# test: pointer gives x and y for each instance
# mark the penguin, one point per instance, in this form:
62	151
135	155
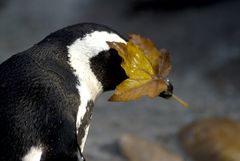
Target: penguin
47	93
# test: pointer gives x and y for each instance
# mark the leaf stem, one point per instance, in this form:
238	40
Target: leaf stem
183	103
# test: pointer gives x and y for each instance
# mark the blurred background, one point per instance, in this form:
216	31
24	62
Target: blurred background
202	36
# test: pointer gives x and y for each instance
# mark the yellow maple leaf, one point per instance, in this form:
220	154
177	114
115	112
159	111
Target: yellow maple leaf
141	64
146	68
133	89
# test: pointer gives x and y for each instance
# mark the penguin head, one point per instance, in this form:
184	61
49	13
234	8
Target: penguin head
91	53
107	68
95	64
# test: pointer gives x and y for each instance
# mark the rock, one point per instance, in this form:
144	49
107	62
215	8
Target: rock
213	139
137	149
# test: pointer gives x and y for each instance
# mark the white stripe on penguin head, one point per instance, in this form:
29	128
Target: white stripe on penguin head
80	53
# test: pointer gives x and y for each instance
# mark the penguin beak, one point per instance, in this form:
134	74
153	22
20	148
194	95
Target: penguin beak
167	94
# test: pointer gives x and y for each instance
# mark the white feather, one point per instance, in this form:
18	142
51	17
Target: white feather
80	53
84	138
34	154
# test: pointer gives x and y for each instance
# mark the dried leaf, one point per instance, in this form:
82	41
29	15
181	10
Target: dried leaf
146	67
134	62
128	92
164	66
160	59
150	50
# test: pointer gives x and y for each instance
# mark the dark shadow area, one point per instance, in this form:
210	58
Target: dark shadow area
170	5
3	3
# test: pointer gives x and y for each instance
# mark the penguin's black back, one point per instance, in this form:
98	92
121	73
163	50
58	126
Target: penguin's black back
39	99
68	35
